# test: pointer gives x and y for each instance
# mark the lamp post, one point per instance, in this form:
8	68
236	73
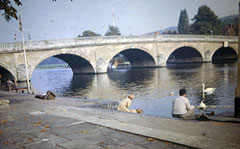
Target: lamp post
24	53
237	92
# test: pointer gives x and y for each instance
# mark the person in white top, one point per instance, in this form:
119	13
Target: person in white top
125	104
182	108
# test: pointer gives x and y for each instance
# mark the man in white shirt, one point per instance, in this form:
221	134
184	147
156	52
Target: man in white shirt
182	108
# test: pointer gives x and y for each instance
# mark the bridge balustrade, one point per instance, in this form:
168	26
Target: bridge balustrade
103	40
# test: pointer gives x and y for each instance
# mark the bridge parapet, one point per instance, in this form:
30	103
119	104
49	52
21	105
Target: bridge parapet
106	40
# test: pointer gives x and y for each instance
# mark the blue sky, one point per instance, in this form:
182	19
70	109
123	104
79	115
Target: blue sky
45	19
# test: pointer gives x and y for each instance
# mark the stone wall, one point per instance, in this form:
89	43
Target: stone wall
92	55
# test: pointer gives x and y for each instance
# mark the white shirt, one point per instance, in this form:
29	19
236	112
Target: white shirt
181	105
125	105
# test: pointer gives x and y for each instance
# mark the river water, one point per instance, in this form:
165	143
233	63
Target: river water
151	86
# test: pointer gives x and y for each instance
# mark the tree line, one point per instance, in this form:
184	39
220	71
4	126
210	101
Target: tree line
205	22
112	31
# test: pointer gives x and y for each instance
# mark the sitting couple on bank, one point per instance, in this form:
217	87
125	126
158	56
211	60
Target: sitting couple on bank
181	108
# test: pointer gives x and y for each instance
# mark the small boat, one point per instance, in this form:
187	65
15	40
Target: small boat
114	66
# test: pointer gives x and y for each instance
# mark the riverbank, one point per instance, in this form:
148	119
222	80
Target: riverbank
74	123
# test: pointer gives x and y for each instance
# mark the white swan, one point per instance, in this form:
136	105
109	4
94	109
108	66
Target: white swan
202	105
207	90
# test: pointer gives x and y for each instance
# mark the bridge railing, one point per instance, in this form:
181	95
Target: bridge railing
103	40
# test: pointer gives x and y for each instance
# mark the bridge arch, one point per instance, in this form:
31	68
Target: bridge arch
136	55
6	72
78	64
224	54
185	54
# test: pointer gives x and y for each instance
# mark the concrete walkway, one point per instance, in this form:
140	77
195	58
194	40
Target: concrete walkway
70	113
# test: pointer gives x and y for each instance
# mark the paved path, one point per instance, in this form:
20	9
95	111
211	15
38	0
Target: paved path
106	128
192	133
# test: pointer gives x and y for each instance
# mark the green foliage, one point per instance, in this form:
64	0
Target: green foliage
170	32
113	31
183	23
88	33
229	20
206	22
9	11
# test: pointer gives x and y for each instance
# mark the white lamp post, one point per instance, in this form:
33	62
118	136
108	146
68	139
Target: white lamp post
24	53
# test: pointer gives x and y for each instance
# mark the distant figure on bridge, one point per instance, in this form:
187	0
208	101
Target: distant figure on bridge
125	104
182	108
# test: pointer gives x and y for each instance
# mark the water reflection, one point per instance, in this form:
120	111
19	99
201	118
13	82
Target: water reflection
185	66
131	79
57	80
151	86
80	85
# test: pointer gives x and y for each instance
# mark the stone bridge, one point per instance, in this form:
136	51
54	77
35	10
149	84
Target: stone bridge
93	54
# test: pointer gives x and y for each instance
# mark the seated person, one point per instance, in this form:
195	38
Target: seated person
181	107
125	104
10	84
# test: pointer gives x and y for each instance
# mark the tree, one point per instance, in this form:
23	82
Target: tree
9	11
170	32
183	23
206	22
229	23
174	32
113	30
88	33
